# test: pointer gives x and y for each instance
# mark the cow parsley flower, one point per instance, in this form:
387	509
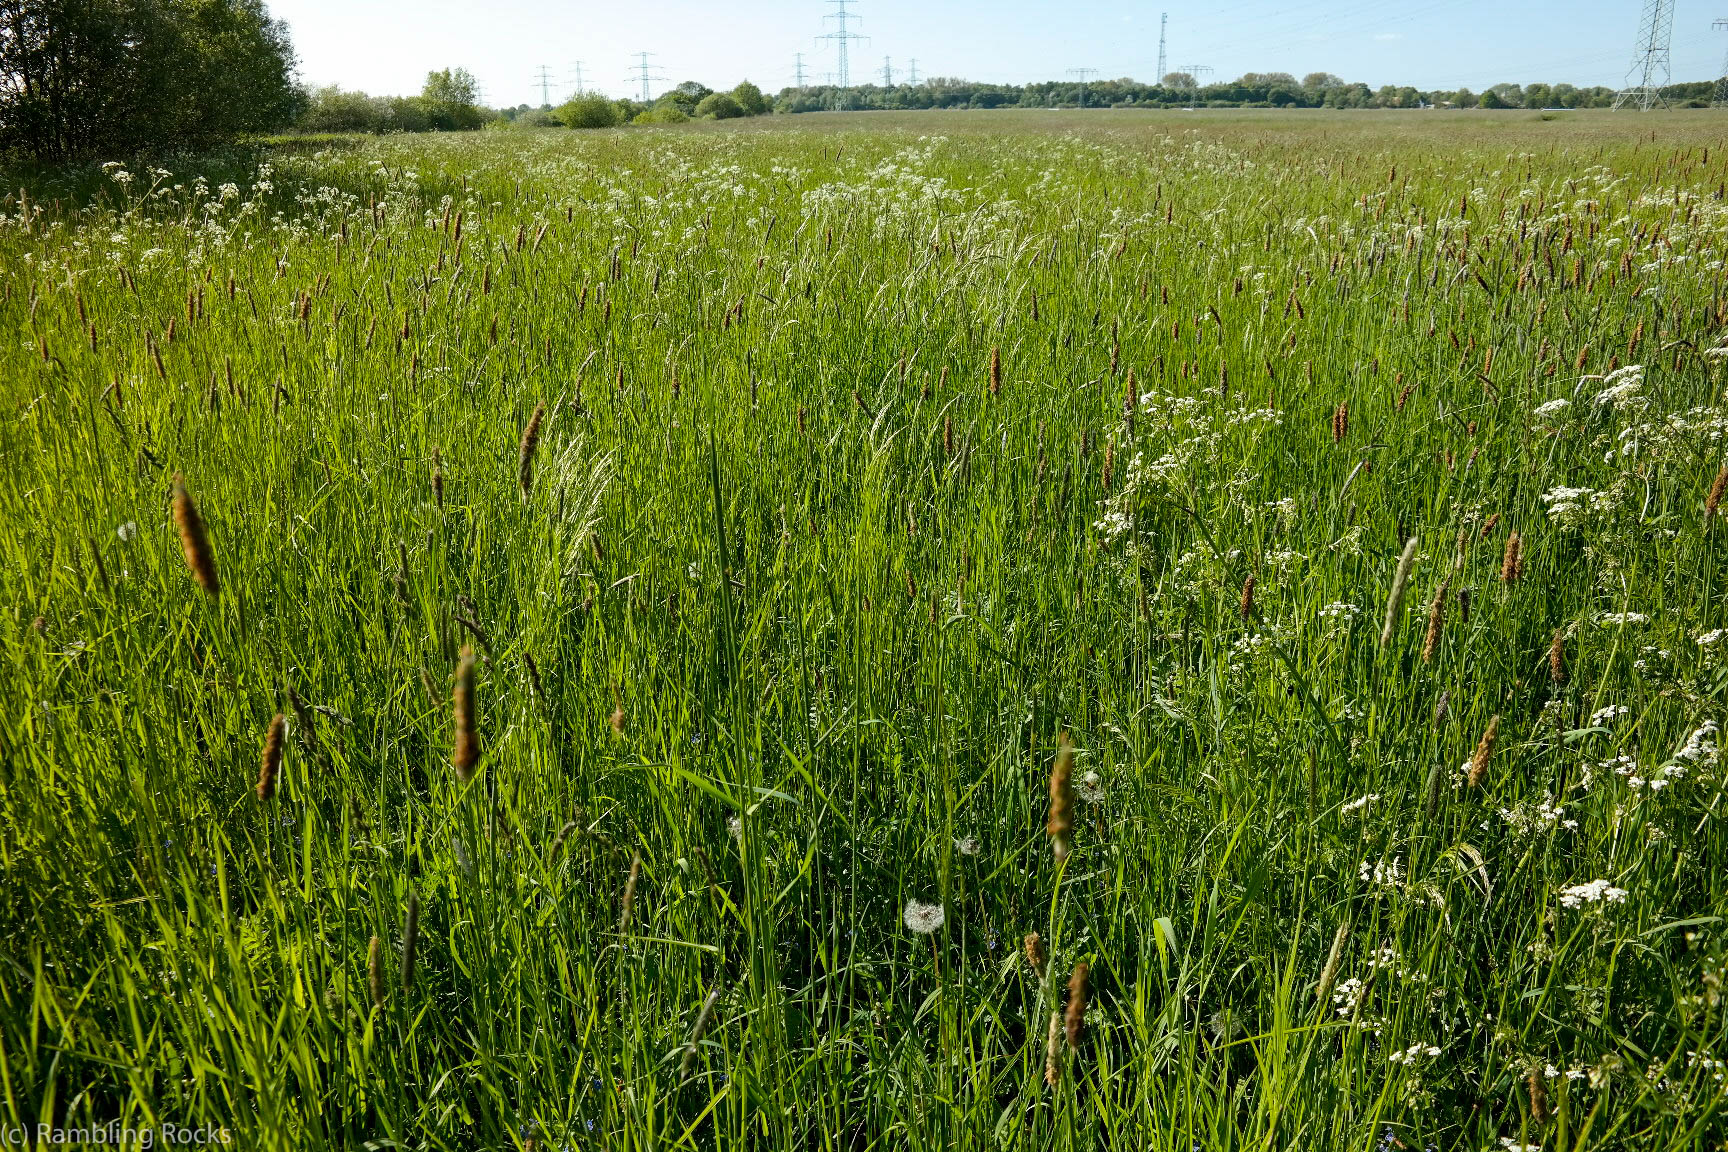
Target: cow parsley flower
1593	892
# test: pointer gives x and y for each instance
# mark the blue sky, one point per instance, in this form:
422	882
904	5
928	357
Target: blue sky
386	46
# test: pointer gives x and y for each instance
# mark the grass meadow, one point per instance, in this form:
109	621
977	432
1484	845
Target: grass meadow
1010	631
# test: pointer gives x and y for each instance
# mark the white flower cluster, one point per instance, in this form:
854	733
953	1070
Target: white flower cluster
1700	747
1553	407
1622	618
1384	872
1413	1053
1603	717
1526	817
1571	507
1359	803
1593	892
1623	386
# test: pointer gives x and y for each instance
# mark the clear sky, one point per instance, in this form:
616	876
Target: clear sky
387	46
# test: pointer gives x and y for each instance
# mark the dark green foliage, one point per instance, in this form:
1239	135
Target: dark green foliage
112	77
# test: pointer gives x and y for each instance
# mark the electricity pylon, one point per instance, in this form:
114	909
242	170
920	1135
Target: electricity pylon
798	69
545	80
1719	98
842	37
912	72
1649	72
1084	75
887	72
643	77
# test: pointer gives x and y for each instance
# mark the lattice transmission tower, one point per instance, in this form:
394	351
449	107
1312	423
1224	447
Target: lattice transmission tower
1719	97
643	76
1163	25
1083	74
1650	71
842	38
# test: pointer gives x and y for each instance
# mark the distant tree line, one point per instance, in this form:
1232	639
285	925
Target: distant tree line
450	102
1180	90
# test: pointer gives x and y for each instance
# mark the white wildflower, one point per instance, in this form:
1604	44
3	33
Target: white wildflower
1603	717
1593	892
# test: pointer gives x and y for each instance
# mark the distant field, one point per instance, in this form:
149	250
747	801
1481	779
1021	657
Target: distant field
981	630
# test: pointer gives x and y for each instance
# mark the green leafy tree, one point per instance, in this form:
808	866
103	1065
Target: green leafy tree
719	106
84	77
750	99
1491	99
588	110
452	100
333	109
687	96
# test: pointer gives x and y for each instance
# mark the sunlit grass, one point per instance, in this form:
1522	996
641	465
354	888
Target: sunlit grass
778	619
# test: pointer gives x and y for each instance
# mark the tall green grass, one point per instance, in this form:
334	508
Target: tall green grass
787	626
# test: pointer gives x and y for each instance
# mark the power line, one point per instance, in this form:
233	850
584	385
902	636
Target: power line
1163	23
887	72
642	75
1649	71
1084	74
841	37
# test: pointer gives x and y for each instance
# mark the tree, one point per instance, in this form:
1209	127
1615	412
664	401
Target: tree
452	100
750	99
85	77
1491	99
333	110
686	96
1181	81
1321	81
719	106
588	110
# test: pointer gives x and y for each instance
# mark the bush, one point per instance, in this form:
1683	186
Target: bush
589	110
750	99
719	106
665	112
334	110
